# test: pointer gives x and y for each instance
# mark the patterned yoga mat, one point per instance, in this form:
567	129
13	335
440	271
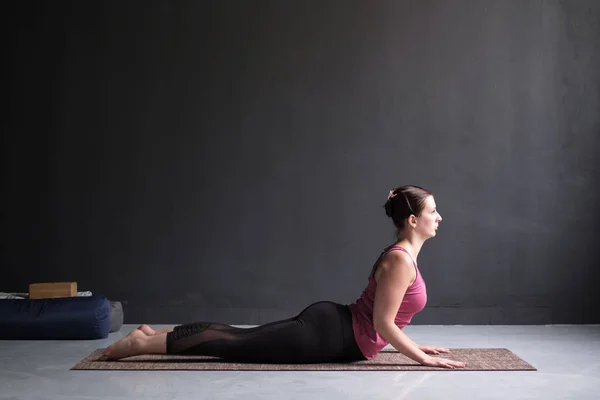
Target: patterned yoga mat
487	359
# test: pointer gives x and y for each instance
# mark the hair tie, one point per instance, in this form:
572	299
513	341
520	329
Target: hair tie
391	194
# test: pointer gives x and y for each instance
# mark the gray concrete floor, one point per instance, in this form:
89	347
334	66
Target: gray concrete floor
567	359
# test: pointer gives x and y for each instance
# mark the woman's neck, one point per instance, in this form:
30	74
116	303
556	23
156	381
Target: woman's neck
412	245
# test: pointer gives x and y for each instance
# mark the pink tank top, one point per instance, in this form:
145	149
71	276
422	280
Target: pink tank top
367	338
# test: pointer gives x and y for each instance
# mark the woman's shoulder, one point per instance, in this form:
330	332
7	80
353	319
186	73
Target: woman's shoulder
397	258
396	261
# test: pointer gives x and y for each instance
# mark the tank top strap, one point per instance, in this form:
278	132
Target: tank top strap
388	249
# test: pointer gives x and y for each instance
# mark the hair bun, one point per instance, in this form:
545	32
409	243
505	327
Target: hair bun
388	208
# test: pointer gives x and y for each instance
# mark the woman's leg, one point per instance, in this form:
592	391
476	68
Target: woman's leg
322	332
315	335
148	331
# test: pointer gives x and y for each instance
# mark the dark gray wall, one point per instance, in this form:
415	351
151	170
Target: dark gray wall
229	160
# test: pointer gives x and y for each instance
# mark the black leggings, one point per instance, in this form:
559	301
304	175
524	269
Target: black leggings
322	332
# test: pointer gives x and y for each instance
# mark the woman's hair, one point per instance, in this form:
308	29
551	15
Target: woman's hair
405	201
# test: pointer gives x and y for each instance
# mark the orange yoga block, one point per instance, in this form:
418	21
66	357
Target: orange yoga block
52	290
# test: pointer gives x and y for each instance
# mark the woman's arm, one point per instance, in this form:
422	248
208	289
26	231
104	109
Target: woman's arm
395	275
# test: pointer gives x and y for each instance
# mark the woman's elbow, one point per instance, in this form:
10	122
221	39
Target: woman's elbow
382	325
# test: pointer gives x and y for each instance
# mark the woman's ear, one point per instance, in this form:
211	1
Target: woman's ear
412	220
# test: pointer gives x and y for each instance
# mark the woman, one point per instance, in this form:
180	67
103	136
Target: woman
326	331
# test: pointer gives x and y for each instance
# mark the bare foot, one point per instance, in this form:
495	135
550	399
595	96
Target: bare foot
131	345
147	330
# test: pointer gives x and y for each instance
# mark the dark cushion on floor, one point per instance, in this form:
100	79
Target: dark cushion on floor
68	318
116	316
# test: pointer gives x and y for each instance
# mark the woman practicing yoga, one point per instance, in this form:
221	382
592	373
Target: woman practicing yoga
326	331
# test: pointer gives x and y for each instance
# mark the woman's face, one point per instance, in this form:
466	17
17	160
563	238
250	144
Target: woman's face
427	223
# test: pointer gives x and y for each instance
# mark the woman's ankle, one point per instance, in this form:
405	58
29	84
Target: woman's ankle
156	344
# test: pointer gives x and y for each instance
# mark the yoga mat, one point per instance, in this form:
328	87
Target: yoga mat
490	359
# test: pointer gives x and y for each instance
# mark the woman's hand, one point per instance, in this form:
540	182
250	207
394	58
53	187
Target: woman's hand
433	350
443	363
